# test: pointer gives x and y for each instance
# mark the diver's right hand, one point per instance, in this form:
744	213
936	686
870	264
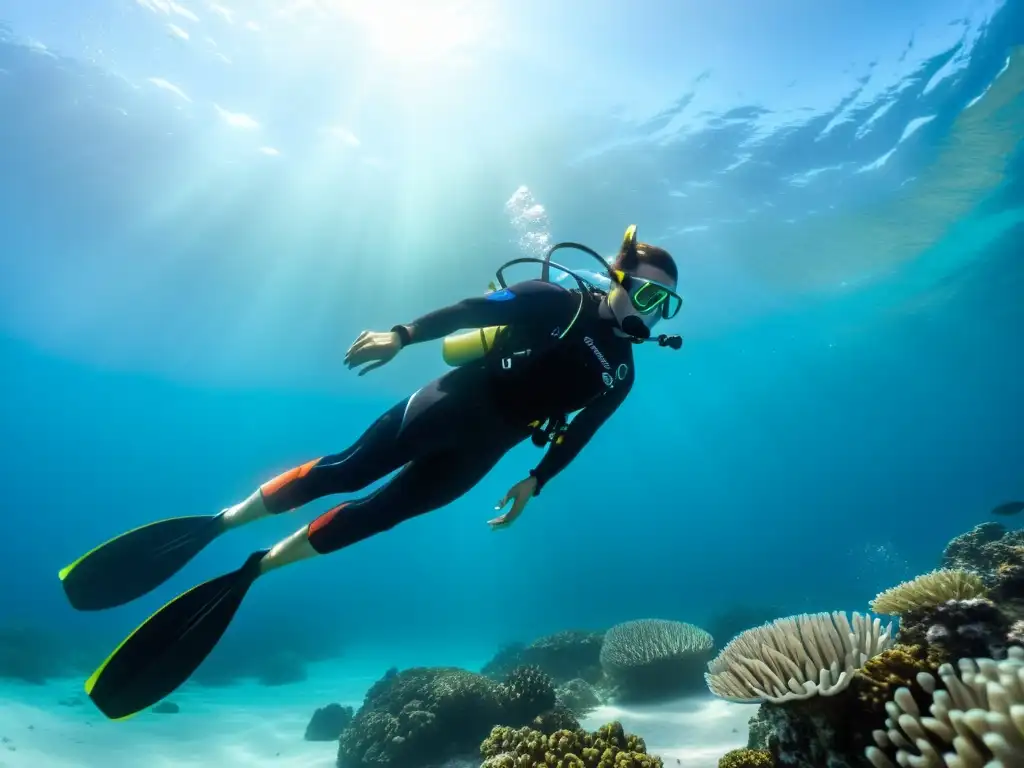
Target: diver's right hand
372	347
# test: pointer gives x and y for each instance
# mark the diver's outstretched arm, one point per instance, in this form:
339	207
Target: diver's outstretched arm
532	301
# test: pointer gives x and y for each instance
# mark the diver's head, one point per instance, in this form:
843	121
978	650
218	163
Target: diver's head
644	289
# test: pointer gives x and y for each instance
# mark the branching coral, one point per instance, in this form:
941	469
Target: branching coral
607	747
976	717
796	657
928	591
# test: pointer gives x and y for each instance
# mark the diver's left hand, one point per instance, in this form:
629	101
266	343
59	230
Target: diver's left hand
372	350
520	495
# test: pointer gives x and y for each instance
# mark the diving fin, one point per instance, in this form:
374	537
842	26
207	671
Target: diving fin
134	563
164	651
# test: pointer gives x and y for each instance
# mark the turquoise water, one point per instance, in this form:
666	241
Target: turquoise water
202	205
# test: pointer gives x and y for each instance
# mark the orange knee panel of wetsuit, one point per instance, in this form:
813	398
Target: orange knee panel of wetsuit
271	487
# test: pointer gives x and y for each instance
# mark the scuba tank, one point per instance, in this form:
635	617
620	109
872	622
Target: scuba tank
461	348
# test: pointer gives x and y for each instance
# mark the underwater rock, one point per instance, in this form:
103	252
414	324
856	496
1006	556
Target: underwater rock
650	659
984	549
760	730
607	747
563	656
817	732
328	722
166	708
426	715
958	629
578	696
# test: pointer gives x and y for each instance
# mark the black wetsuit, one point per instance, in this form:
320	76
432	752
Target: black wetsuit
559	356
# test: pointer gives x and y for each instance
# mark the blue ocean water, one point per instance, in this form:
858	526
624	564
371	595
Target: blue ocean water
202	205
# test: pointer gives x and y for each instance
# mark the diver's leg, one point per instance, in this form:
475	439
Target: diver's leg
167	648
438	415
426	484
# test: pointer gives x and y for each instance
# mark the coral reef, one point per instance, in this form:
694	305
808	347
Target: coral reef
558	718
747	758
974	718
504	661
607	747
651	658
928	591
328	722
949	693
578	696
893	668
796	657
527	691
984	549
958	629
564	656
425	715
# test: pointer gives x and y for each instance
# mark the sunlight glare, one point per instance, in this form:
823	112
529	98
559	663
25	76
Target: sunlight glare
407	32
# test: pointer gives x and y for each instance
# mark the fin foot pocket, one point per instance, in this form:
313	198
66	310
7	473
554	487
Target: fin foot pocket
137	562
164	651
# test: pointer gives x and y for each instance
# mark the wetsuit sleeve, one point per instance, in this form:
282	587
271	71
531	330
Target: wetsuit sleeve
532	301
583	427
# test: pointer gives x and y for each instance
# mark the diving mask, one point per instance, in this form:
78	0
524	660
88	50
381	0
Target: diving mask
648	296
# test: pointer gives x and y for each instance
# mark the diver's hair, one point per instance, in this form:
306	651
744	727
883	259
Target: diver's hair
647	254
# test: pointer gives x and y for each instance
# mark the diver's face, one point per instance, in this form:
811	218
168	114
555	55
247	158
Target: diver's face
620	303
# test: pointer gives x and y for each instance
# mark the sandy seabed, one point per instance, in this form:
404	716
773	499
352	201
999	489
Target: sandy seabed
251	726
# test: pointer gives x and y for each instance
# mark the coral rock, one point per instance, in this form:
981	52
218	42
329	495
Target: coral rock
958	629
818	732
527	691
983	549
563	656
419	717
328	722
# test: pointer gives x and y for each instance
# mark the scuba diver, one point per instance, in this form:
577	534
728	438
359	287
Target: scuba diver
537	352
